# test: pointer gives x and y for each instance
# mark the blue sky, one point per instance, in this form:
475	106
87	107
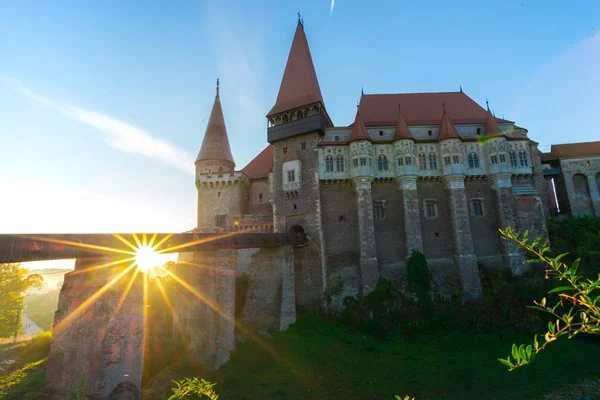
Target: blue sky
103	105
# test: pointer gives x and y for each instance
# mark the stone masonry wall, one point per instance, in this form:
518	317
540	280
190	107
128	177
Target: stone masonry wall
390	235
97	342
484	229
438	241
580	202
304	211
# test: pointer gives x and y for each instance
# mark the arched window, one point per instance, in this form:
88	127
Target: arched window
220	172
473	160
432	161
339	163
513	159
523	159
422	161
329	164
382	163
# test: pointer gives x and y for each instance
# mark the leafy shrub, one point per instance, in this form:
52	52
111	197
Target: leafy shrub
419	281
193	388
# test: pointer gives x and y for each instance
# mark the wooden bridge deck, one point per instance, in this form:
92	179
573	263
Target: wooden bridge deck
38	247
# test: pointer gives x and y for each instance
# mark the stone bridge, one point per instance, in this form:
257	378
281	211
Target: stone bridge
98	341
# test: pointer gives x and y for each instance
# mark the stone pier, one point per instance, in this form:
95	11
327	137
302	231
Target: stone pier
412	220
463	241
97	345
369	269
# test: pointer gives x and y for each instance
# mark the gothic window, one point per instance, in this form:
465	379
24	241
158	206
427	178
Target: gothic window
400	161
220	221
303	145
478	131
422	161
513	159
363	161
336	138
284	150
447	160
220	172
355	162
431	209
339	163
494	159
378	210
455	159
477	205
432	161
291	176
502	158
522	159
329	164
408	160
382	163
473	160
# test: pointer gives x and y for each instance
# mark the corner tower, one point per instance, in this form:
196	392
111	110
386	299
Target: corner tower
221	191
297	121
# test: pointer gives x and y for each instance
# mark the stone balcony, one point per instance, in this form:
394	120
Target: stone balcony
453	169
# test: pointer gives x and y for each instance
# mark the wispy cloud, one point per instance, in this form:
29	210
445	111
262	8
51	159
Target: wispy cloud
331	7
116	133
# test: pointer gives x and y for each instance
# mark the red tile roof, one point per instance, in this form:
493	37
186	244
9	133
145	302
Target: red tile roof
402	131
299	85
583	149
359	132
215	145
491	125
420	108
447	129
261	165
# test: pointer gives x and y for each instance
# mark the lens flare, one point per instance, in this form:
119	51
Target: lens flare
147	259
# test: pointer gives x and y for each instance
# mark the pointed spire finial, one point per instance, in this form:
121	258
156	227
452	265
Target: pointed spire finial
444	106
300	20
217	88
362	90
487	104
460	86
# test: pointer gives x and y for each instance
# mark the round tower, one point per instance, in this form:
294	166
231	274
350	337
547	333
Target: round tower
222	192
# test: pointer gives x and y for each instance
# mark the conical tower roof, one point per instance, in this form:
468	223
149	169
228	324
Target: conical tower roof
447	129
491	125
299	85
215	145
402	131
359	131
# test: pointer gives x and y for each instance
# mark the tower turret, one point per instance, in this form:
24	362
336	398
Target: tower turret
215	152
222	192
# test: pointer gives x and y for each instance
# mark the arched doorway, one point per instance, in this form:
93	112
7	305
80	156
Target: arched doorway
298	232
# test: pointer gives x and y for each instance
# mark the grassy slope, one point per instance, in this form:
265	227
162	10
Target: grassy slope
25	379
318	359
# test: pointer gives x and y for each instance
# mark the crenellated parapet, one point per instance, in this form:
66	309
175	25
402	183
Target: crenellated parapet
222	180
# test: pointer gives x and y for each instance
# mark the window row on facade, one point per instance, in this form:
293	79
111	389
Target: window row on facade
426	162
430	208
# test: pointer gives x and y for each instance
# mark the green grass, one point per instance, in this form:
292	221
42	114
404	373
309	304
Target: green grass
24	379
318	359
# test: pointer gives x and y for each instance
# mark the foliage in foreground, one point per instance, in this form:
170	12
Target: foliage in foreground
577	308
14	282
193	388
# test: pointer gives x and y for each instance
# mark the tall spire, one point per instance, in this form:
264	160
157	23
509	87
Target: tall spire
215	145
402	131
299	85
447	129
359	131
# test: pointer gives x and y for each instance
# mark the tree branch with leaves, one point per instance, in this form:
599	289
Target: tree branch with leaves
576	306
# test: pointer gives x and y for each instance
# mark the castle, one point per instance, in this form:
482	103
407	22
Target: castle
434	172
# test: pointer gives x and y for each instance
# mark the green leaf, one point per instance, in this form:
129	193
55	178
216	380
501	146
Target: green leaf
529	351
506	362
522	353
561	289
551	328
515	352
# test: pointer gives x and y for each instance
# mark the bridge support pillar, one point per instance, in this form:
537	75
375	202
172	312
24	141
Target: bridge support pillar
207	313
97	345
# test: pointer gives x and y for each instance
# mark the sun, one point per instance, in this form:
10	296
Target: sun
147	258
